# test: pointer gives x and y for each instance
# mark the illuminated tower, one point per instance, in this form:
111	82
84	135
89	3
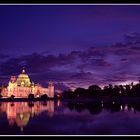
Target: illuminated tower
33	88
51	90
12	86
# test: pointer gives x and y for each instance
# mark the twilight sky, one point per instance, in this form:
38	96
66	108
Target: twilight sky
73	45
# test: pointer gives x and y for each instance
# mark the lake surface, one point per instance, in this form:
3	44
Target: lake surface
70	118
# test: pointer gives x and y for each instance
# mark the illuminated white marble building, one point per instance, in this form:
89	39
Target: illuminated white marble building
21	87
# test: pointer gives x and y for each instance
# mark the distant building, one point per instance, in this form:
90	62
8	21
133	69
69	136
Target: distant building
21	87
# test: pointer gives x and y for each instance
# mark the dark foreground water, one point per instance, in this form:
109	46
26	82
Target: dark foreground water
70	118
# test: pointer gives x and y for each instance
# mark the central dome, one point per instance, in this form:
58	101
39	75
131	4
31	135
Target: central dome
23	79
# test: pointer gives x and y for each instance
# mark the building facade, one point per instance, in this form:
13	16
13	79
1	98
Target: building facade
21	87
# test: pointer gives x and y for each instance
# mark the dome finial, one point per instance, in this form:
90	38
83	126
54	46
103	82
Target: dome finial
23	70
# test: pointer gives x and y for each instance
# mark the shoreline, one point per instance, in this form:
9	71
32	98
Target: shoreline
104	99
24	99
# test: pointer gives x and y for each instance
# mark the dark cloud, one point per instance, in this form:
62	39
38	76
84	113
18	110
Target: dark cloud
123	60
95	65
132	38
3	56
82	75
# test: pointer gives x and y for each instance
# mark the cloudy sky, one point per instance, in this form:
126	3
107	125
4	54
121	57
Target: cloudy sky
73	45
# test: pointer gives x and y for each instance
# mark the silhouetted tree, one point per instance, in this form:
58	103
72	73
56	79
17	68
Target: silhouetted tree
94	90
80	92
0	96
115	91
136	89
44	96
68	94
127	90
12	96
31	96
122	90
108	91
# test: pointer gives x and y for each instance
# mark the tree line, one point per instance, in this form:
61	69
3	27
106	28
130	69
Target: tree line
107	91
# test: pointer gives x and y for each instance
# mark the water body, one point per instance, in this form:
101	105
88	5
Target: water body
70	118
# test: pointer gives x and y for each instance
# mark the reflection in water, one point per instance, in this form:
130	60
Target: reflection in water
126	107
97	117
97	107
20	112
121	108
59	103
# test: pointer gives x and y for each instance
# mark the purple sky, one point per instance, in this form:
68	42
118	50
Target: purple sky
73	45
